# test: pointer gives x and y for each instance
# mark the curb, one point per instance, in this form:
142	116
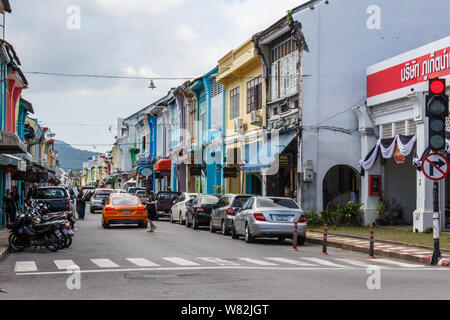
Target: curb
387	241
3	253
365	249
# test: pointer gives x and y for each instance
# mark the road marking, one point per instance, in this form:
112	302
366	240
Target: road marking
66	264
181	261
401	264
355	262
25	266
258	262
141	262
289	261
324	262
105	263
219	261
302	269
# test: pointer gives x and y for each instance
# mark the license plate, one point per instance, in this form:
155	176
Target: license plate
126	212
282	218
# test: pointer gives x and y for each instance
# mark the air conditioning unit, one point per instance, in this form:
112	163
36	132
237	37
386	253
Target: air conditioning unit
238	125
255	118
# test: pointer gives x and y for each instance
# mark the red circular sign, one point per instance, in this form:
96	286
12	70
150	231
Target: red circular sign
435	166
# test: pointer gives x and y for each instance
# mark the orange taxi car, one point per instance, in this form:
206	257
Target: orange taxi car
124	209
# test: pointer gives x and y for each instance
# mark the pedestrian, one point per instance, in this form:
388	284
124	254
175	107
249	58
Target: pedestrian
15	194
31	192
9	206
81	204
151	210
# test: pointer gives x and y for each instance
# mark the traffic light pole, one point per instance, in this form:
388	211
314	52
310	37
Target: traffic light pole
436	226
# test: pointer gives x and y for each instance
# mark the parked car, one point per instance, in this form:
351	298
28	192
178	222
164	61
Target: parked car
198	212
269	217
141	194
132	190
164	202
56	199
222	216
178	212
124	209
99	198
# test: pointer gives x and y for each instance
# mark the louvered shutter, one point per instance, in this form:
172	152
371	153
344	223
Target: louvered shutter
275	81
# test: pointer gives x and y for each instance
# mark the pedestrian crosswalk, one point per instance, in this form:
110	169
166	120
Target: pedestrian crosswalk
24	267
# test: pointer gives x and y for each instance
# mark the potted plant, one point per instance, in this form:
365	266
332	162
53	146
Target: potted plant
382	212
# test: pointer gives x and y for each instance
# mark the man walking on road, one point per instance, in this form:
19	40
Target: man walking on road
81	204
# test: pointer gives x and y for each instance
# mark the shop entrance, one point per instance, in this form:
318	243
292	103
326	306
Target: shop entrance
253	185
340	185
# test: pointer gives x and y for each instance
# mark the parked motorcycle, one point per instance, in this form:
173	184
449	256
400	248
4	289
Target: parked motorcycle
27	233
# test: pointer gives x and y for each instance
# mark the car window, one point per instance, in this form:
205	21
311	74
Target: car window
167	196
209	200
51	193
124	202
238	202
248	204
277	203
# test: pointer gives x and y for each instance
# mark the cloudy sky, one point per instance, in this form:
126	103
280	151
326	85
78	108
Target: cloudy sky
149	38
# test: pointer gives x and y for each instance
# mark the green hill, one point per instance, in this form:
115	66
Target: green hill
70	157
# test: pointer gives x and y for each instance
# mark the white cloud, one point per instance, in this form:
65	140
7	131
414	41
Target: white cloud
121	7
185	33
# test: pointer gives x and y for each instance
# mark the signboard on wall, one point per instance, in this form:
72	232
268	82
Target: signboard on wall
408	72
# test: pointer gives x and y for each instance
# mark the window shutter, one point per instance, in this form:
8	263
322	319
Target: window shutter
274	81
259	96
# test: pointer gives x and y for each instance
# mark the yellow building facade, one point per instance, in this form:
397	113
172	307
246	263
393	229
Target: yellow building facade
241	74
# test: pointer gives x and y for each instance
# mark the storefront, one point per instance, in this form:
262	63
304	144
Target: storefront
162	170
394	136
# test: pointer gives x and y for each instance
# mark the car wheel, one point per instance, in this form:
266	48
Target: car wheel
301	241
234	235
248	236
211	226
105	225
225	231
195	223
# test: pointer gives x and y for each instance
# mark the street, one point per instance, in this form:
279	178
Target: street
180	263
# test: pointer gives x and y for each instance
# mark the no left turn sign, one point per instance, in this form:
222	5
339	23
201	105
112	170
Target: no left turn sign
435	166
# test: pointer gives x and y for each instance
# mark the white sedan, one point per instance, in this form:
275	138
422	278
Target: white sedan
178	212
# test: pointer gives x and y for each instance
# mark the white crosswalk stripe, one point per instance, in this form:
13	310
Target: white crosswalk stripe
25	266
258	262
105	263
141	262
181	261
398	263
355	262
220	262
324	262
290	261
66	264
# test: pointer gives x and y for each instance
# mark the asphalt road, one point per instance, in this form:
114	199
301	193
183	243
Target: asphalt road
180	263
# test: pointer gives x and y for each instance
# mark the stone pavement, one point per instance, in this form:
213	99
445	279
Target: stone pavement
4	245
390	249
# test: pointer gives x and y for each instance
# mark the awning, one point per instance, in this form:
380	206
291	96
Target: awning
263	154
9	160
163	165
10	143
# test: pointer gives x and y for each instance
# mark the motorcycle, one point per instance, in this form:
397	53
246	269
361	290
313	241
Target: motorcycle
27	233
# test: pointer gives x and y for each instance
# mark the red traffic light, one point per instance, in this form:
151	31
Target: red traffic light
437	86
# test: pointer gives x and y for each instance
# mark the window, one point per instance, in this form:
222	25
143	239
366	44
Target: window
254	94
284	108
277	203
284	78
234	103
125	202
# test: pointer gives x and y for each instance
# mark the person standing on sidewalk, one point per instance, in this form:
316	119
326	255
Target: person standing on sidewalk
81	204
9	207
151	210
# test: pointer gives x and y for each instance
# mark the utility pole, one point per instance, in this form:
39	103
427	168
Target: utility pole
436	225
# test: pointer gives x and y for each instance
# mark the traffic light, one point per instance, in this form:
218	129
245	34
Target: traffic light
437	104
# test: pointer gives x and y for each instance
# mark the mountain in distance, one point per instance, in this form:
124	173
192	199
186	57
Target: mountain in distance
70	157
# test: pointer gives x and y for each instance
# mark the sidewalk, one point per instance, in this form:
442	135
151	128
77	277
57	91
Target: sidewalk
389	249
4	245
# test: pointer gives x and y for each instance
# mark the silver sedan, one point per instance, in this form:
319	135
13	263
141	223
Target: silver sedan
269	217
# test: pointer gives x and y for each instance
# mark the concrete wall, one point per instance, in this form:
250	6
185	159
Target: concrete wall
344	38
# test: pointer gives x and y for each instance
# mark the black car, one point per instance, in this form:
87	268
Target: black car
222	217
56	199
198	210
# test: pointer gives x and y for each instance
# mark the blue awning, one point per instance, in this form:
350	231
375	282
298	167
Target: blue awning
262	154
